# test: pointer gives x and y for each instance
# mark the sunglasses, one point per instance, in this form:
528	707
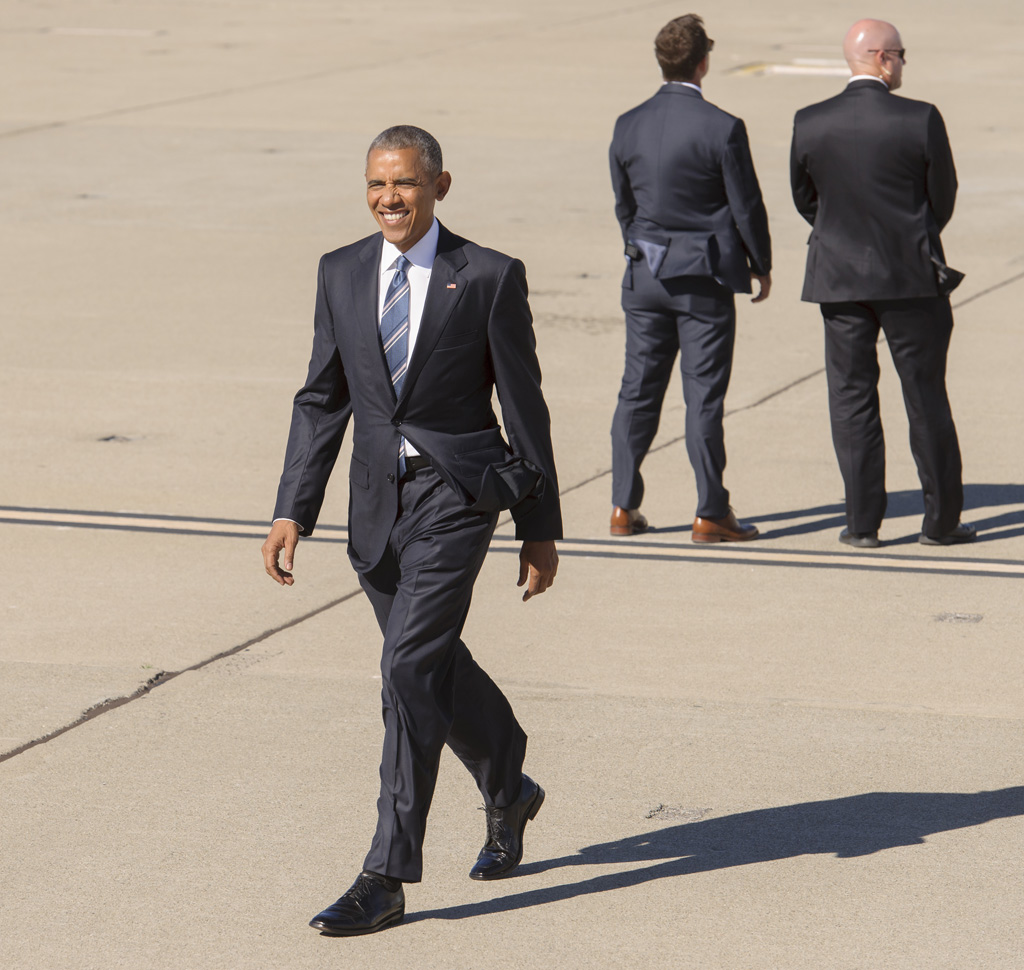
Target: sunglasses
902	52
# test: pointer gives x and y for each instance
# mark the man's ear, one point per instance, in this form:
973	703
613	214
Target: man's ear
444	183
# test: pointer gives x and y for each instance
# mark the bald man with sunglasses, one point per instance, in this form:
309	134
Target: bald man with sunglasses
873	174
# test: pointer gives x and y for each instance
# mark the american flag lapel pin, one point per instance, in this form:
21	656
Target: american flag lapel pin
451	286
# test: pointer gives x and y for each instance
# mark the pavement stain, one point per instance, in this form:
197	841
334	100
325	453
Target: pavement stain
676	813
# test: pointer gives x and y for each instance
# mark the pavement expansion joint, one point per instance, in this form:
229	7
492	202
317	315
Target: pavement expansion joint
166	676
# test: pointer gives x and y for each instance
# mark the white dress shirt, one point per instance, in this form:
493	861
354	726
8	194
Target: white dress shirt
868	77
686	84
421	261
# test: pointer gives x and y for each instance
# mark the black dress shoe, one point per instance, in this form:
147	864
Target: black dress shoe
862	540
962	533
368	906
503	850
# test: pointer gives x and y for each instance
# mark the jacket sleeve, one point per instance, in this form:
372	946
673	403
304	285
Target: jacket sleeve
625	202
513	351
941	173
745	201
320	415
805	195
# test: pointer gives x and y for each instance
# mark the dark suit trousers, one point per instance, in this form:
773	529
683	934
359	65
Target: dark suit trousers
918	333
433	690
694	317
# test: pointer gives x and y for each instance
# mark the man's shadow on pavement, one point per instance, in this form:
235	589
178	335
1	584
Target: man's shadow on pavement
848	827
909	502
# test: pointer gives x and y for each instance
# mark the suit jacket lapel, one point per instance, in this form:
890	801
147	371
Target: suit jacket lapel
447	284
364	287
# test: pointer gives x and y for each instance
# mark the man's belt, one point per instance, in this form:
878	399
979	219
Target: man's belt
415	463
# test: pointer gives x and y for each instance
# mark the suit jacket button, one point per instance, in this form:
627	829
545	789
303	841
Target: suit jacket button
396	422
391	477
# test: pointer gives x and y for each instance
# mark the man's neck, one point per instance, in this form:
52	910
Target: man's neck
688	84
420	253
868	77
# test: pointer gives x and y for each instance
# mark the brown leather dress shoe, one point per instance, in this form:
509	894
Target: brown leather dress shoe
728	529
626	522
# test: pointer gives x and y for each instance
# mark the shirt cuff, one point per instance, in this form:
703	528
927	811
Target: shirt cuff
283	519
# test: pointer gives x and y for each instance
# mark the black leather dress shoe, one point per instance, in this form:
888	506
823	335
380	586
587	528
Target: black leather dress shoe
862	540
962	533
503	850
367	907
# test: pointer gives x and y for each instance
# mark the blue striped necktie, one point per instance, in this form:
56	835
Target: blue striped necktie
394	325
394	335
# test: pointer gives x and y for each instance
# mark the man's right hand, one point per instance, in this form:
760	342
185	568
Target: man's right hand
284	534
765	283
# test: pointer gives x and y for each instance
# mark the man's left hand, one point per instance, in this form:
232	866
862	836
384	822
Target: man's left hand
538	563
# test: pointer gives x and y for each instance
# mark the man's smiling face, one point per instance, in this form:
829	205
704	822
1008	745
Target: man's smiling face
401	194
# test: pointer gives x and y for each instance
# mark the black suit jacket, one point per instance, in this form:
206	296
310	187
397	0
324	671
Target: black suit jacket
683	177
476	333
874	175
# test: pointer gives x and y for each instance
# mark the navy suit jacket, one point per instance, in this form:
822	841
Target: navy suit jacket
684	178
476	333
873	174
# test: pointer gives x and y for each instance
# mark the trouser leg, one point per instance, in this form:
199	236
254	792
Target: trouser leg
851	367
651	347
707	333
433	691
484	733
918	334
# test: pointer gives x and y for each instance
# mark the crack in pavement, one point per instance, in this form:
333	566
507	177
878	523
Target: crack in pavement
165	677
472	42
782	390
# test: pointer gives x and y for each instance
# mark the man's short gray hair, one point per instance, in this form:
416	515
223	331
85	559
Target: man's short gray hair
398	137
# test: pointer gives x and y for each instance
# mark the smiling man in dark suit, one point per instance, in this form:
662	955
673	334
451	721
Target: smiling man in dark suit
414	328
873	174
696	231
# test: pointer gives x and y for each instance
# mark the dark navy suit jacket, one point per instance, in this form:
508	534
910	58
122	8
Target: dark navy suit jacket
476	333
684	178
873	174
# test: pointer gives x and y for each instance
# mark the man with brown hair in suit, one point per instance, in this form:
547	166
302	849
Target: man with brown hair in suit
695	232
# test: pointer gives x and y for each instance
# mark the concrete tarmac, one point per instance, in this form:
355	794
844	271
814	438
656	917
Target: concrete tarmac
788	754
